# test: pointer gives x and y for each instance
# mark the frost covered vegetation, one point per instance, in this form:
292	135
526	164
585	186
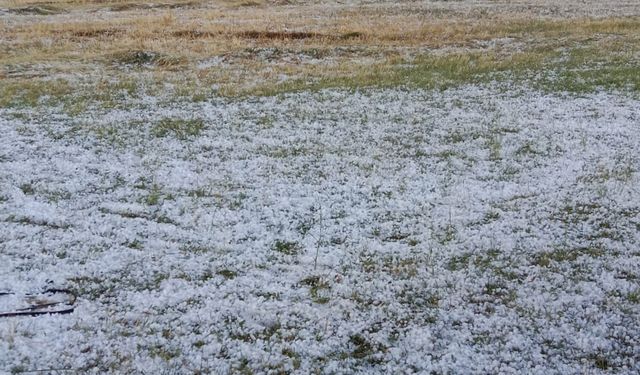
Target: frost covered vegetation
250	187
465	230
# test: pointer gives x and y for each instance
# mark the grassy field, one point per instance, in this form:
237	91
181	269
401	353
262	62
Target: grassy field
275	187
82	52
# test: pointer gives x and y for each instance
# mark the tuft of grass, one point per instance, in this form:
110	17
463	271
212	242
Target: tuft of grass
27	189
295	357
490	216
141	58
601	362
459	262
153	198
634	297
352	35
446	235
164	353
286	247
180	128
38	10
199	193
363	348
494	144
319	288
266	121
623	171
546	259
227	274
199	344
135	244
195	249
527	149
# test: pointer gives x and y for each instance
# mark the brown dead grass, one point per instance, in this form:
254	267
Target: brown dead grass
216	32
263	41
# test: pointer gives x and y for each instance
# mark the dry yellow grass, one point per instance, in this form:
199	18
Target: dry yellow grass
237	45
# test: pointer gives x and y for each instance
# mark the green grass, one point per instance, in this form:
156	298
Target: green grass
575	69
227	274
74	97
547	258
579	70
153	198
634	296
31	93
319	289
180	128
286	247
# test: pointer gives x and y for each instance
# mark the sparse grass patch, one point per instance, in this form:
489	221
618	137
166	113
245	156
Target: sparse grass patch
153	198
491	216
286	247
446	234
164	353
177	127
227	274
623	172
266	121
199	193
295	357
527	149
576	213
363	347
195	249
55	196
494	145
142	58
623	76
548	258
459	262
601	362
135	244
634	297
287	151
199	344
320	293
319	288
418	298
38	10
27	189
500	291
31	93
455	136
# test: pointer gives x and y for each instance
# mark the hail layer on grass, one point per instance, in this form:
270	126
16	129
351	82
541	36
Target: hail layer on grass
469	230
